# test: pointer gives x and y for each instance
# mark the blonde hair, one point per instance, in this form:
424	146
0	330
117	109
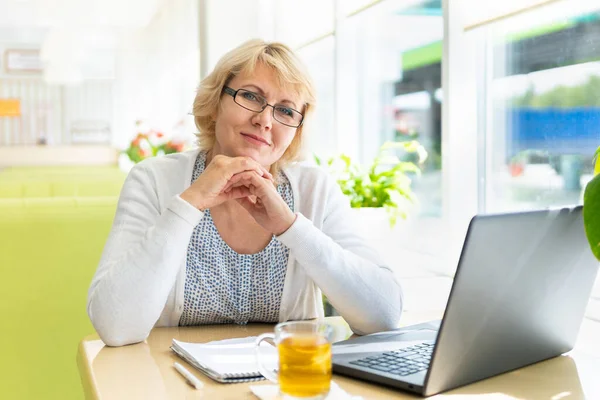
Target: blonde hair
290	73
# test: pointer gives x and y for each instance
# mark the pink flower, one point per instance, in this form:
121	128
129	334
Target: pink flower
177	146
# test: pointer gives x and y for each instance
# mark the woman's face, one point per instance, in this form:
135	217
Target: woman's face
241	132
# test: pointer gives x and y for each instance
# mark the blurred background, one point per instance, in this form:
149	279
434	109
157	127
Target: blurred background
504	97
80	79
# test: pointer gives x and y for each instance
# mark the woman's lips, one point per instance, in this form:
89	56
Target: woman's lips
255	139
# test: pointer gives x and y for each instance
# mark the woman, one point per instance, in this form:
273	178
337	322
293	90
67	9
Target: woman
234	232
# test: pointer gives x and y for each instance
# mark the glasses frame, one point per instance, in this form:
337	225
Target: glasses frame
233	93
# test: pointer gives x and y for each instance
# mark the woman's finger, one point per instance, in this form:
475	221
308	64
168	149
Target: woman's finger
238	192
267	174
236	179
261	186
241	164
243	178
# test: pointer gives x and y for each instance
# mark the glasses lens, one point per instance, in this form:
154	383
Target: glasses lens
250	100
287	116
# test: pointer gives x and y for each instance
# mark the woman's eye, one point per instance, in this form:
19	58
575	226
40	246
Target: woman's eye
250	96
285	111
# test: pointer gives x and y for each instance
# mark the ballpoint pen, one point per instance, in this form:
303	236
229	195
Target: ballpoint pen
188	376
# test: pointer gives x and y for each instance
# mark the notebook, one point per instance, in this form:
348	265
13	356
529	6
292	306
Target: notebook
227	361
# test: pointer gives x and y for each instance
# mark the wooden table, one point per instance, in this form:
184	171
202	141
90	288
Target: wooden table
145	371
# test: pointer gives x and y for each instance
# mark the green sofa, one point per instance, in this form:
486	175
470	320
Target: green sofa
27	182
50	248
71	171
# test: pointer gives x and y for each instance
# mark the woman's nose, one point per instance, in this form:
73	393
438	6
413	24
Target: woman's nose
264	118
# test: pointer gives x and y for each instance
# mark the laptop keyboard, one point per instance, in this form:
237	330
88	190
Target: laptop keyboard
406	361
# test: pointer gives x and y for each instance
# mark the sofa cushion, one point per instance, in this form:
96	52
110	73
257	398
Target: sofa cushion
50	250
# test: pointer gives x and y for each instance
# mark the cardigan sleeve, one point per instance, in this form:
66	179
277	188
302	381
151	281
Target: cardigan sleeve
350	273
140	261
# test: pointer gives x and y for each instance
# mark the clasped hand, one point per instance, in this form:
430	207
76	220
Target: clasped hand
250	184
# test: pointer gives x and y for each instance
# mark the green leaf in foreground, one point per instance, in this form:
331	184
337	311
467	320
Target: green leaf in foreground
591	214
597	158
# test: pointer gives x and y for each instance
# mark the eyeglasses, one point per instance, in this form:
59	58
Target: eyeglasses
257	103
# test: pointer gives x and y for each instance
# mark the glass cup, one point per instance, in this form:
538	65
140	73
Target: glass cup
304	349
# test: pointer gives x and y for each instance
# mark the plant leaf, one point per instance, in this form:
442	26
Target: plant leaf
591	214
386	160
597	158
386	182
410	146
347	161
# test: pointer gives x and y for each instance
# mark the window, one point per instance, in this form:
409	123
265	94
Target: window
394	85
384	84
543	109
378	78
541	119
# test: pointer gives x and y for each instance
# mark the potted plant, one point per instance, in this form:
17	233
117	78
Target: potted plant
151	144
383	185
380	193
591	208
147	143
516	165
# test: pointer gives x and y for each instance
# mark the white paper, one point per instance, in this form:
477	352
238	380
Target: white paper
271	392
231	356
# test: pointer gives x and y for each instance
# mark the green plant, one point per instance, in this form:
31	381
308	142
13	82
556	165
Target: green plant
591	208
151	144
385	183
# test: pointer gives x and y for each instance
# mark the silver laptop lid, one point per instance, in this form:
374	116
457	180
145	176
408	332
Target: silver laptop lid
519	296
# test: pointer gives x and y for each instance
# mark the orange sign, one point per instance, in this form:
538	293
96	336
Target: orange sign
10	108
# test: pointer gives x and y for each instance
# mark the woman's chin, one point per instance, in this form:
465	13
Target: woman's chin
249	151
253	153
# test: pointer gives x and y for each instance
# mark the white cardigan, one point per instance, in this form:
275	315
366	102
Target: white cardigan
139	283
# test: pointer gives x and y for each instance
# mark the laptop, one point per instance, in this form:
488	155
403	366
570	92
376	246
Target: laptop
519	296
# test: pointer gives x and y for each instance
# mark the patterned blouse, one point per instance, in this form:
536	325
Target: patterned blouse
222	286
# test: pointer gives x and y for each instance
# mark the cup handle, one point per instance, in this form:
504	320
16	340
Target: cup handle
264	371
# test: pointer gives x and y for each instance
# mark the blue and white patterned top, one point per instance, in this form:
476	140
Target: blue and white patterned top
222	286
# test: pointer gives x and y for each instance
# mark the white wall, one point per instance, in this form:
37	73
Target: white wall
149	73
48	110
41	112
19	39
18	130
228	23
158	71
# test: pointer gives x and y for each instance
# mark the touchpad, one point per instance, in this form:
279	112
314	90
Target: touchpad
384	341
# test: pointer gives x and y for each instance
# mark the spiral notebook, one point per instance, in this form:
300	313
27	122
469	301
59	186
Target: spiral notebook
227	361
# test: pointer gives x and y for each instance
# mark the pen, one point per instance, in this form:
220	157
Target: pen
188	376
